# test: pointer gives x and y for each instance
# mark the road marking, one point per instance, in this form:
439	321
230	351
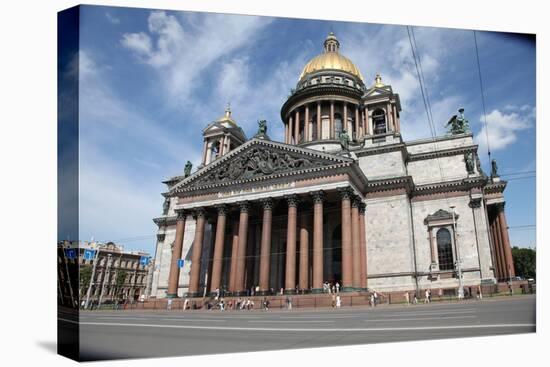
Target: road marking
424	318
426	313
121	317
236	328
283	321
194	320
319	317
429	315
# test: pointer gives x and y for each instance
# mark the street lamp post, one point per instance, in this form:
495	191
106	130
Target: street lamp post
458	259
105	276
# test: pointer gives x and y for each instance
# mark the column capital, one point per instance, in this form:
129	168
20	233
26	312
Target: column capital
362	208
244	206
292	200
267	203
199	213
346	193
475	203
318	196
356	201
222	209
181	214
499	206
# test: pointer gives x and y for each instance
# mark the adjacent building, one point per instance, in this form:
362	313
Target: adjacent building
115	273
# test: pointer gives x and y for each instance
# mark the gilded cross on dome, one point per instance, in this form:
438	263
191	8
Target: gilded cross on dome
378	81
228	110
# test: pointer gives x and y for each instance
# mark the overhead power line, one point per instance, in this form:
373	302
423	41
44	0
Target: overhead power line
482	97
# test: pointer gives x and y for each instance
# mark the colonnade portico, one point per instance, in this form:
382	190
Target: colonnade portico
300	221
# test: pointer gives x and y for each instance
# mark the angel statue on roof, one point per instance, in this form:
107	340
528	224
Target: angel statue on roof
459	124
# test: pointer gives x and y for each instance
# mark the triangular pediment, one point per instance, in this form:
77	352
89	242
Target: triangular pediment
441	214
213	127
259	160
378	92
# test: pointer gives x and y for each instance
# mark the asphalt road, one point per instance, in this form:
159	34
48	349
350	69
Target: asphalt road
133	334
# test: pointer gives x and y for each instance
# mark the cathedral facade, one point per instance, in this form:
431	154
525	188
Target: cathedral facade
343	199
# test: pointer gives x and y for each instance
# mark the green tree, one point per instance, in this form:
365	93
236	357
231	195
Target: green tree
85	278
525	262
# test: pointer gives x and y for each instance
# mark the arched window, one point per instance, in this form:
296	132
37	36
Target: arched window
445	249
379	121
337	124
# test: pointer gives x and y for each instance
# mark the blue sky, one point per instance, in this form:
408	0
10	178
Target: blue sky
150	81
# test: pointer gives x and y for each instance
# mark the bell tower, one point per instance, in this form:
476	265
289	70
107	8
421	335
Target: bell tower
220	137
381	108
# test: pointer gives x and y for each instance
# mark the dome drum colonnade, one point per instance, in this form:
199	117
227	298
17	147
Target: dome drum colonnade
304	214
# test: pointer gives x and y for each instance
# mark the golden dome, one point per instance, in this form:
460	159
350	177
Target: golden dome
331	59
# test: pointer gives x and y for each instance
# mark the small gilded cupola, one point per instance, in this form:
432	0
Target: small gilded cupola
220	137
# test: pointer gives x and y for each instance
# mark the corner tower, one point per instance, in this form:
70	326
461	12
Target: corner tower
220	137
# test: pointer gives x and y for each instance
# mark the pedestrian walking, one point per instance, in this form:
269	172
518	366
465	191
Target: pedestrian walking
375	298
371	300
169	304
407	297
426	297
338	301
333	301
415	299
479	294
429	296
185	304
337	287
510	290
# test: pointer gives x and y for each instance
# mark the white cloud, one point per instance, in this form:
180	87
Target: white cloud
180	55
111	18
140	43
503	127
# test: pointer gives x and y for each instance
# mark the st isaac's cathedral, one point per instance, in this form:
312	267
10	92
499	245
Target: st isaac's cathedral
343	199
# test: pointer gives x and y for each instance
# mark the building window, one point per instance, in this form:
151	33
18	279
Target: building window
314	128
379	121
444	249
337	124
